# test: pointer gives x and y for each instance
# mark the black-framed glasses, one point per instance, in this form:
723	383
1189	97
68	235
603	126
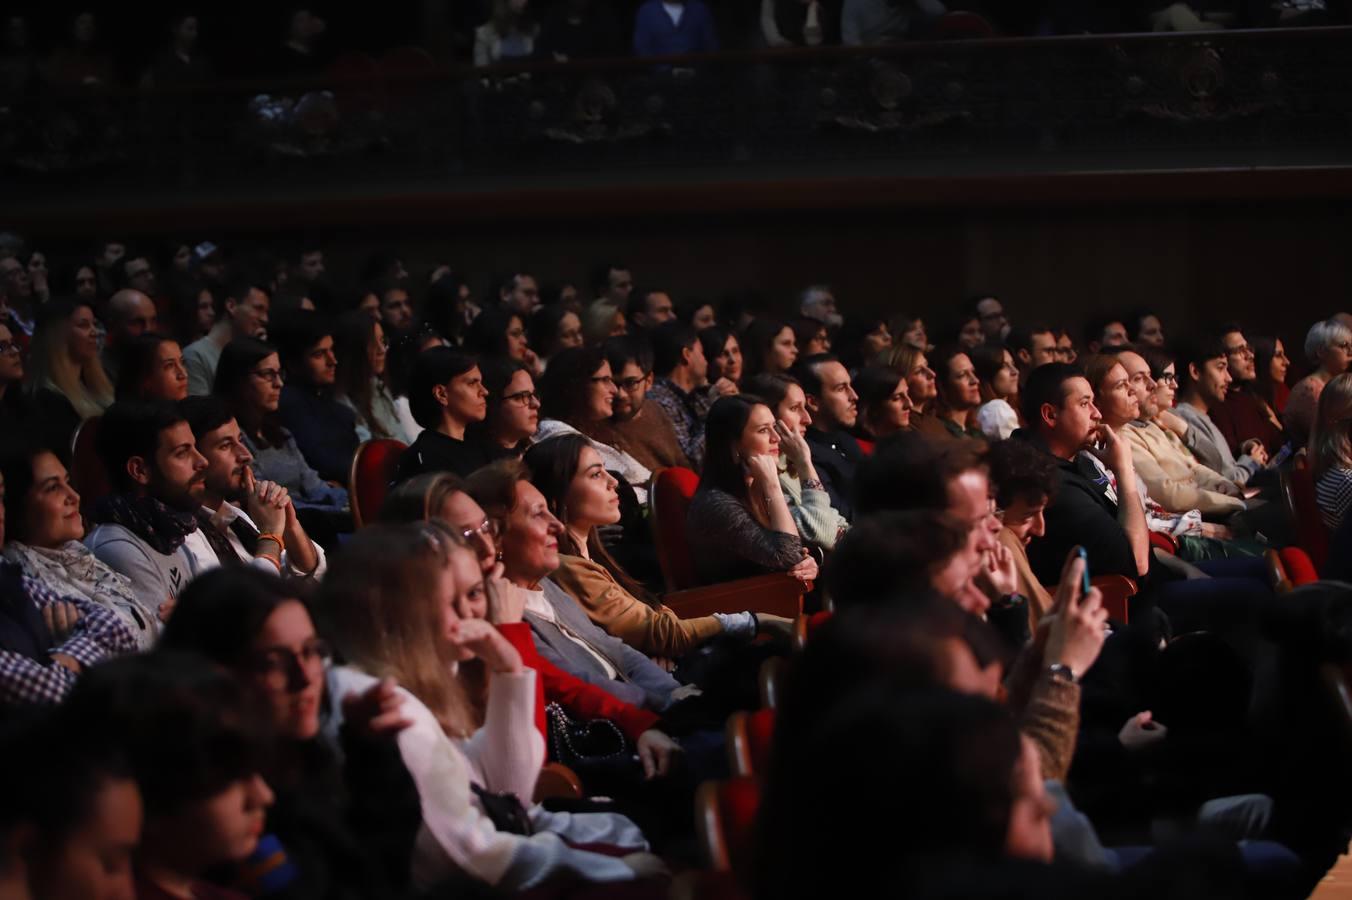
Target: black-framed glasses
1168	378
524	398
276	376
603	379
631	384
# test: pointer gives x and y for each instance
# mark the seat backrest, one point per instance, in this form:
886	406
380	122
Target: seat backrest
373	468
669	500
726	822
1298	492
749	736
1117	591
87	470
1300	569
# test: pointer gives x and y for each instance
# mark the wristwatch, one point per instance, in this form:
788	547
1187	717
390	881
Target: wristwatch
1062	672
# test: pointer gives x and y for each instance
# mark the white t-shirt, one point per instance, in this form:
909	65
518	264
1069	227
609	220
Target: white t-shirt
675	11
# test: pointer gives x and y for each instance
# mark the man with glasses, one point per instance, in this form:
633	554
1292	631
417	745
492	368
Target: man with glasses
241	311
991	313
1246	422
639	423
1204	381
682	387
324	427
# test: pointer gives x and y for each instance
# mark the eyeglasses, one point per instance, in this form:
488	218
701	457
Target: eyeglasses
279	665
1241	350
1168	378
603	379
631	384
10	347
486	528
276	376
524	398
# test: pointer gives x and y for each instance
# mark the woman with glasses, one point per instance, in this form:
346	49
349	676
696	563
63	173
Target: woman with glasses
501	333
578	394
362	352
17	409
553	328
513	414
346	811
1328	347
404	601
1065	347
638	426
249	380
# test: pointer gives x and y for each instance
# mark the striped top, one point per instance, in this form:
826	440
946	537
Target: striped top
1333	493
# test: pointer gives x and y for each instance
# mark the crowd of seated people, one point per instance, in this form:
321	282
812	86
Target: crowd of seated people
599	519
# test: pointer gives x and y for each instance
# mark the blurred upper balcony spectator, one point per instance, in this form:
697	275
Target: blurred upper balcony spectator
674	28
180	63
299	56
507	35
800	23
867	22
81	62
18	64
576	29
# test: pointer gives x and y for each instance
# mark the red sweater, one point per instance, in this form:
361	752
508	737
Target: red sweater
578	699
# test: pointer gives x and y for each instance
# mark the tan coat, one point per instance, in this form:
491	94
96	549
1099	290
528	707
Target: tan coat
1174	478
656	632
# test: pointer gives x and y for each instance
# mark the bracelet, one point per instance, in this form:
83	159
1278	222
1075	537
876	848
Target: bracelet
812	484
276	561
1062	672
275	538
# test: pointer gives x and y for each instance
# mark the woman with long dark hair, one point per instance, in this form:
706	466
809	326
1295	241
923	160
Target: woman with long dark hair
249	380
500	332
768	345
723	352
997	416
581	494
513	414
739	523
885	405
1271	364
363	353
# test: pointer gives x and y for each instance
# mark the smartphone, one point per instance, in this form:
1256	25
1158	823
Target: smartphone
1084	575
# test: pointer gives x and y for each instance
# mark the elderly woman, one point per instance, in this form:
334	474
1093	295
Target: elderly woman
1328	346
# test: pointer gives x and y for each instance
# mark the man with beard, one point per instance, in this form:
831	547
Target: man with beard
152	460
240	519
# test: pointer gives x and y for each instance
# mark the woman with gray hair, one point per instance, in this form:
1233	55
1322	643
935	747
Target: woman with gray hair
1329	347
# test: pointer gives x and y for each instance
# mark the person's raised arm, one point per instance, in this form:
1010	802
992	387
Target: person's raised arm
1116	454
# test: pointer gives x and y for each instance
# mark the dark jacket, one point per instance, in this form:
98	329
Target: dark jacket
836	456
325	429
436	452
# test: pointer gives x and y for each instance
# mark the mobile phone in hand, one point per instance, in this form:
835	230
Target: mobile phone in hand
1084	574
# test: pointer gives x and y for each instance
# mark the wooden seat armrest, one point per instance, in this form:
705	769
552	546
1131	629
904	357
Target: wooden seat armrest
777	594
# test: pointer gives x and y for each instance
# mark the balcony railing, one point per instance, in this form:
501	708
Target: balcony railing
1126	102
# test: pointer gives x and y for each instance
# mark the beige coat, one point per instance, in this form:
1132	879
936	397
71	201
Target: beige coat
1174	479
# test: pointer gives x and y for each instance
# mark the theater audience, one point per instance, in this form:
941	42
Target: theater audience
1171	474
513	410
446	394
1203	382
639	424
195	746
739	523
129	314
999	381
991	312
966	333
1244	419
15	406
66	381
1104	331
563	633
502	332
1271	365
958	395
249	380
324	428
240	518
345	811
42	539
1025	481
361	384
682	387
601	320
582	496
1065	347
152	369
241	312
509	34
1032	347
909	330
1328	347
921	382
871	22
768	346
577	394
810	335
552	328
647	309
885	405
818	522
1331	451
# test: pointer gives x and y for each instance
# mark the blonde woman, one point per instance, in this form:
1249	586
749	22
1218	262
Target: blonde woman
912	364
402	600
66	379
1331	451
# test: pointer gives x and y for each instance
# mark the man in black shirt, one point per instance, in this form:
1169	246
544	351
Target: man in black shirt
834	407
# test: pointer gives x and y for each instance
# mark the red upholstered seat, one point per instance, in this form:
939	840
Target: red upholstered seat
866	446
1117	590
1300	569
1298	493
806	625
373	468
749	737
1164	542
87	471
725	819
672	490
